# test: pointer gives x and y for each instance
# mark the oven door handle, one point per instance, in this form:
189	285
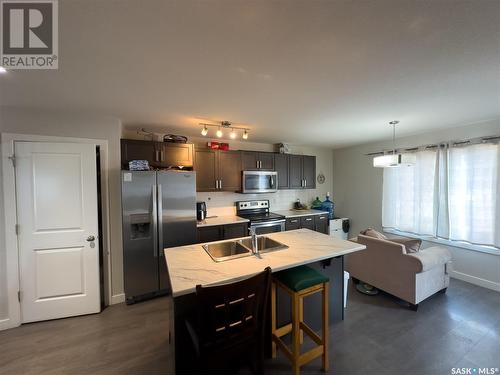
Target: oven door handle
267	223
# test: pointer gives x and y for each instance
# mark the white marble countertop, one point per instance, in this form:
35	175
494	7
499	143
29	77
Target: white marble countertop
190	265
221	220
298	213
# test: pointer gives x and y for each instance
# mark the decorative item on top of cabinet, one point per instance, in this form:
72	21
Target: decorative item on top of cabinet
217	170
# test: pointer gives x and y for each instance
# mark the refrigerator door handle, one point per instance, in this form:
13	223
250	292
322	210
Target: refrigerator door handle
160	221
155	221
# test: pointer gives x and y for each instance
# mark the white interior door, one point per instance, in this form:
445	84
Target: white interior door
56	189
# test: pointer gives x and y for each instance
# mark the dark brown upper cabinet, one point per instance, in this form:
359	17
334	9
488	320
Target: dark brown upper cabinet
252	160
175	154
158	154
218	170
281	166
301	172
309	171
229	165
295	172
205	165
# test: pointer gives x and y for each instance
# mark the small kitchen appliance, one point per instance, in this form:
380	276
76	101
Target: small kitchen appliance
201	211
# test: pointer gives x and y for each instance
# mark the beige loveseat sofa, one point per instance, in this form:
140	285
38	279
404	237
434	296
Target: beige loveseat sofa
412	277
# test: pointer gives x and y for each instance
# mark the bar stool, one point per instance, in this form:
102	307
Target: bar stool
300	282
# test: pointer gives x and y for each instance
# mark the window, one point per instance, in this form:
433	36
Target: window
449	194
409	195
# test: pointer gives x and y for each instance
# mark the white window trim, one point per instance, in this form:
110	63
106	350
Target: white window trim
460	244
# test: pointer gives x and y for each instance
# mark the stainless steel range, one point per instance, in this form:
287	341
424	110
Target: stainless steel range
261	220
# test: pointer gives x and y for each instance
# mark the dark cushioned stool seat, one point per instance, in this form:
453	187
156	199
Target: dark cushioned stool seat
300	278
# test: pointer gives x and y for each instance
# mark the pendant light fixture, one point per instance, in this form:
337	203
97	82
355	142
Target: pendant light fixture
394	159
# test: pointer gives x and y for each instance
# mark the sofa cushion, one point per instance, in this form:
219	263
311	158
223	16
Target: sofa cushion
412	245
432	257
370	232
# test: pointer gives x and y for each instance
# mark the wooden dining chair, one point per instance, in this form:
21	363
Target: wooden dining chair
228	329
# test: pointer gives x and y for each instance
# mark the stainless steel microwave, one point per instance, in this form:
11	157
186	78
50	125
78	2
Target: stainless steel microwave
259	182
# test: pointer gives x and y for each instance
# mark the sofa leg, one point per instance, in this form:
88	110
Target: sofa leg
443	290
413	307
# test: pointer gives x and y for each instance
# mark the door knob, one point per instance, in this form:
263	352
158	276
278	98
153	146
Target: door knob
90	238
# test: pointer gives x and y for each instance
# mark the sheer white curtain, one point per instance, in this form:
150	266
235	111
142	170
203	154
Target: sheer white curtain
472	188
409	194
451	194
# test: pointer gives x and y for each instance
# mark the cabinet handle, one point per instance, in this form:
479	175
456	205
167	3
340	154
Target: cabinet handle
216	184
305	182
260	164
220	184
293	221
156	155
161	155
308	219
322	217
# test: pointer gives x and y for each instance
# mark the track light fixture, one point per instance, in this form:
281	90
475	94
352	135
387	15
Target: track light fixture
224	125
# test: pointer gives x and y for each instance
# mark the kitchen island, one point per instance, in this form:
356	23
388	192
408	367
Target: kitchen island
190	265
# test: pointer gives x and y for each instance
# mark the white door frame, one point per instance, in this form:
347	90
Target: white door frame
11	244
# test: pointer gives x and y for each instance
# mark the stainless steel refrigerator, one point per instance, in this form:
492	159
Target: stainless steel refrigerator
158	211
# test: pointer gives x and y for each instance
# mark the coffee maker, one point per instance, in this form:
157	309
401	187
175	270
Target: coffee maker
201	211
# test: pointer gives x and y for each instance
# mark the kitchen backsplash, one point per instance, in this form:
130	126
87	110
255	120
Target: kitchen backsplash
223	203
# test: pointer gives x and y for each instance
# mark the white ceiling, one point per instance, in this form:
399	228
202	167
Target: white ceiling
330	73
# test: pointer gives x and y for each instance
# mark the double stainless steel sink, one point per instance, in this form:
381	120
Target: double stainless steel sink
233	249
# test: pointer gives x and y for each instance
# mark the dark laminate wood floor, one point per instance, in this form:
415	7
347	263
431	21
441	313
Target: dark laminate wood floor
379	336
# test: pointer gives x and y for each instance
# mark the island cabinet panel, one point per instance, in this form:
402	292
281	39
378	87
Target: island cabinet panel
206	170
211	233
253	160
158	154
222	232
321	224
307	222
235	231
295	172
229	167
292	223
281	166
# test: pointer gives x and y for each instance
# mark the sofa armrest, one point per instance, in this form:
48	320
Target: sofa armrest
431	257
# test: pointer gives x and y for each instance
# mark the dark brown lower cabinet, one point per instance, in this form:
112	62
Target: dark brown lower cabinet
318	223
235	230
209	234
321	224
307	222
222	232
292	223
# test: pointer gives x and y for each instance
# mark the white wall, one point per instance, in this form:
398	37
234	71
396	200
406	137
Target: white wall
357	192
61	124
222	203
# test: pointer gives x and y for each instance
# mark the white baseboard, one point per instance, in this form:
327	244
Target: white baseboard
475	280
7	323
117	298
